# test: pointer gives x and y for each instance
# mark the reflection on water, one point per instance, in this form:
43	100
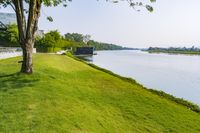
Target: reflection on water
87	58
178	75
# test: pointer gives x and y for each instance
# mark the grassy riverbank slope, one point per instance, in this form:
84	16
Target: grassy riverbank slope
65	95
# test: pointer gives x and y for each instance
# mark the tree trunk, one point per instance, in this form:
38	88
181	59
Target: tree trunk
27	30
27	63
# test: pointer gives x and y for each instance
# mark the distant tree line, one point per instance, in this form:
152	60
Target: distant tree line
104	46
178	50
193	48
86	41
53	41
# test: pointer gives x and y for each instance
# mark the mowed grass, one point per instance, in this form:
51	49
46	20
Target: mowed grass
65	95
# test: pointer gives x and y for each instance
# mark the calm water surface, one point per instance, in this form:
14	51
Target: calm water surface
178	75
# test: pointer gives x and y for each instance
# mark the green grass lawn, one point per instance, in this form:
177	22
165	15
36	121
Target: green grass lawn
65	95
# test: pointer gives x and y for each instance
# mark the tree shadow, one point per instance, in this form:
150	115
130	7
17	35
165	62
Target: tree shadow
8	75
16	81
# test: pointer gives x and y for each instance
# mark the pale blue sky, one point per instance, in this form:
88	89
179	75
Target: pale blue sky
173	23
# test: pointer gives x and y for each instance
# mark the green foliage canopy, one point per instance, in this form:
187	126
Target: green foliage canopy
50	39
53	41
10	36
53	3
74	37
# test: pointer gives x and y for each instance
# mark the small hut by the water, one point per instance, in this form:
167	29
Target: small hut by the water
84	51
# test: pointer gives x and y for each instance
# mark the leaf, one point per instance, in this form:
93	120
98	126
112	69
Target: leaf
149	8
50	19
115	1
152	0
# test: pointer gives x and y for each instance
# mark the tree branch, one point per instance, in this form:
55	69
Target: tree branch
12	6
34	14
20	20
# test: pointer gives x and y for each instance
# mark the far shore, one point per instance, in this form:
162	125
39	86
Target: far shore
174	52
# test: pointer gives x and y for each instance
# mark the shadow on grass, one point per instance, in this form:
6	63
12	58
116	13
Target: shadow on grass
16	81
8	75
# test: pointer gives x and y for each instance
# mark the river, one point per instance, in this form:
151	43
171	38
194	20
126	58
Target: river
178	75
